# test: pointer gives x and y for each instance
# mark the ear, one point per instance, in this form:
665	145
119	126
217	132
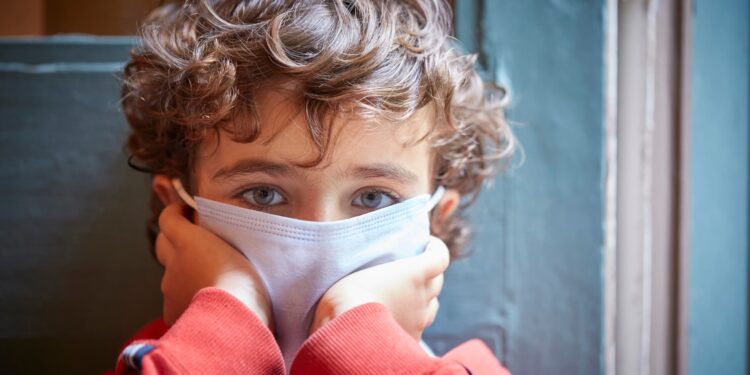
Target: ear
448	204
162	186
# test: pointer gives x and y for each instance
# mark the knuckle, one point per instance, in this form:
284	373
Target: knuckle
163	249
444	258
440	282
431	313
440	279
441	251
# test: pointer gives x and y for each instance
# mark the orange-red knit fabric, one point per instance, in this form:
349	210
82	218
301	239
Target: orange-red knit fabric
217	334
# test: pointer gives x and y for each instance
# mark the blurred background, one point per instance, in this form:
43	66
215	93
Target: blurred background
616	244
48	17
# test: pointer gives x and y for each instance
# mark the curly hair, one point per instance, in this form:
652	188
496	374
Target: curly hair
197	66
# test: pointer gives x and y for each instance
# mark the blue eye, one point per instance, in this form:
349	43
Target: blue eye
374	199
263	196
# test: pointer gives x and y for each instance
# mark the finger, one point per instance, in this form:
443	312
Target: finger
435	258
164	249
435	286
432	311
174	224
170	216
184	234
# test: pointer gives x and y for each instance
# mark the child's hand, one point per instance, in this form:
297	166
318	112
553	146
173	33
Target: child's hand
194	258
408	287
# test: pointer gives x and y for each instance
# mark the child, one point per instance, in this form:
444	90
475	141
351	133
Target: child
312	139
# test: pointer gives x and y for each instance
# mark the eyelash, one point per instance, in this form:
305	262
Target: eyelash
240	193
240	196
387	192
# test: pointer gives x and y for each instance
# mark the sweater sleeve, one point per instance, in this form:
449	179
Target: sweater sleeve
367	340
217	334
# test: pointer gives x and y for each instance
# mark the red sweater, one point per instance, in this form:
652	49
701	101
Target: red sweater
217	334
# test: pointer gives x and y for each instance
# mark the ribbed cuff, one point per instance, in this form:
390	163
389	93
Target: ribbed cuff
219	334
364	340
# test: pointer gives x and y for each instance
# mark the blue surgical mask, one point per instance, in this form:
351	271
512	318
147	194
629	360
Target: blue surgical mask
299	260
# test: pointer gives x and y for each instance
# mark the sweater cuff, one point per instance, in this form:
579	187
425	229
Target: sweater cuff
219	334
364	340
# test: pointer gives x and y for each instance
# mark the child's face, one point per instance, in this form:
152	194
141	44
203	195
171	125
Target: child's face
369	166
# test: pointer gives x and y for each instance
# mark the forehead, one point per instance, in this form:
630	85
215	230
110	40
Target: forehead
285	136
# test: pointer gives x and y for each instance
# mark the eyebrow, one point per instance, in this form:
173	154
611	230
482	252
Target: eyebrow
247	166
380	170
384	170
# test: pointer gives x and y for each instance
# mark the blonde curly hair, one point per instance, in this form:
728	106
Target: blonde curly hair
197	66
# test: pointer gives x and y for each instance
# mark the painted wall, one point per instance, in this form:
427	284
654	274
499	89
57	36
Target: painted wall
719	190
76	276
537	267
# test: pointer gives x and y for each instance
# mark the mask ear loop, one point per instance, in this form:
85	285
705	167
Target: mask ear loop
435	198
177	184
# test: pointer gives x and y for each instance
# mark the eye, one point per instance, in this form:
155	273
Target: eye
374	199
263	196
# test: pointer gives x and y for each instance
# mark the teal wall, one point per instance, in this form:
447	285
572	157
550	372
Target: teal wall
76	276
718	272
537	265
